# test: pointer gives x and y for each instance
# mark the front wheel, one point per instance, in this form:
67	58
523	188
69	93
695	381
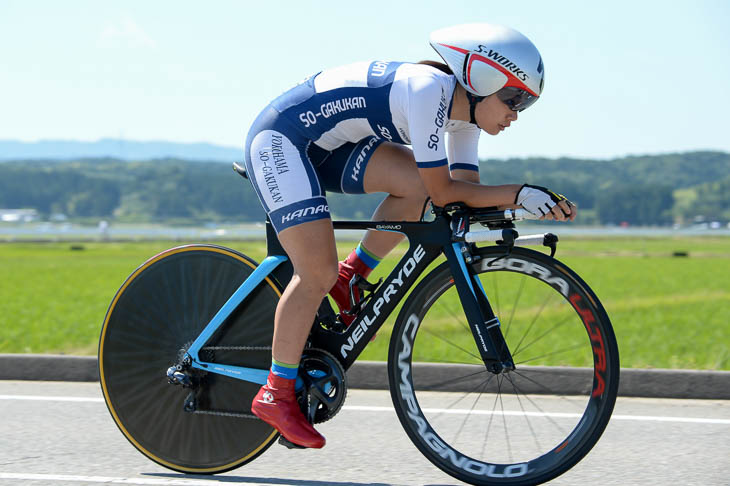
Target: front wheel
520	427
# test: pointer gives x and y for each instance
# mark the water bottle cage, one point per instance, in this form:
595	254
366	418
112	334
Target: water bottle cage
359	284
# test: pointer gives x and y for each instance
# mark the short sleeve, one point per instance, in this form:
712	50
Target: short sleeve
462	147
427	117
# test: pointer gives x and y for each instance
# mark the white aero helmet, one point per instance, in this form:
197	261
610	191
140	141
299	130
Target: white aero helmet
488	59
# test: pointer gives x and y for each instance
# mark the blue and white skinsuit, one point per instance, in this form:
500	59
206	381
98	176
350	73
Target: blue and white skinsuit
320	135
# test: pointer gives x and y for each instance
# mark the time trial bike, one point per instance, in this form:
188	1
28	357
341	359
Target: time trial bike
503	366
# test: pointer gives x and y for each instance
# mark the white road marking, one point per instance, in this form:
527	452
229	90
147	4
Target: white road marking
40	398
364	408
645	418
113	480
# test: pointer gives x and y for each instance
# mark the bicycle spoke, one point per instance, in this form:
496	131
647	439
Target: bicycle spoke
514	308
454	380
462	362
527	418
455	315
473	405
547	416
485	384
576	346
489	425
549	390
552	329
504	417
452	344
549	298
536	369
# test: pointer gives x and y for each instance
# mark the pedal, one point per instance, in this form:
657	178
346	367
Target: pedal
288	444
327	317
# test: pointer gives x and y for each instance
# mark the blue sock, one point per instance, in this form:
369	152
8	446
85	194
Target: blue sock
284	370
367	257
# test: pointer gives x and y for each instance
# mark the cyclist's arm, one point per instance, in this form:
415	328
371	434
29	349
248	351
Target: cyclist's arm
462	144
465	175
427	123
443	189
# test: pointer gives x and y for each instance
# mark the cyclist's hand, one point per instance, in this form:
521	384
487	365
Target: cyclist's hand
542	202
566	208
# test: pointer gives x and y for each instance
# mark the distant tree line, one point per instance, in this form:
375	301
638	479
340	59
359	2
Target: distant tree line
639	190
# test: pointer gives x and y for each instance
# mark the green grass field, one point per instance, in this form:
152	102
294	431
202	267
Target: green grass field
667	311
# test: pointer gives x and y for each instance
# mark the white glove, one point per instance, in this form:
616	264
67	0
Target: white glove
539	200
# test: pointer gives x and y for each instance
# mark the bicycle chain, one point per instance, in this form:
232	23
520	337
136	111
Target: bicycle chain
230	348
225	414
236	348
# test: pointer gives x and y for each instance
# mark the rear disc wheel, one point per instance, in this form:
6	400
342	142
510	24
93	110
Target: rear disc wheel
159	310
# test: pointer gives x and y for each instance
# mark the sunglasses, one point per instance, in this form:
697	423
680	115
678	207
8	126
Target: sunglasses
516	99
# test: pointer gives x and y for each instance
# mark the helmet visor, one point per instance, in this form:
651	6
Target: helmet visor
516	99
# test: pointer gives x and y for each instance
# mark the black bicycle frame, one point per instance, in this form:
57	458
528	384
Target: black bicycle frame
427	240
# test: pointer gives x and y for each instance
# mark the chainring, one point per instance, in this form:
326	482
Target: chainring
325	385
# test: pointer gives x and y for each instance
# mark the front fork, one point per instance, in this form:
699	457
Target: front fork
484	324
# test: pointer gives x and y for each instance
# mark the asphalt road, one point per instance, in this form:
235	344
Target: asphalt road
62	434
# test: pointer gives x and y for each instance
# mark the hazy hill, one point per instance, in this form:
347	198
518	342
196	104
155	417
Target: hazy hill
642	190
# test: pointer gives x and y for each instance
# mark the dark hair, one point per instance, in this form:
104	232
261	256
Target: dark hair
438	65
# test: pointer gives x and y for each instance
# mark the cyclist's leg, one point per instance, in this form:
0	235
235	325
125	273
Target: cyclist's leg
311	248
371	165
292	196
392	169
290	192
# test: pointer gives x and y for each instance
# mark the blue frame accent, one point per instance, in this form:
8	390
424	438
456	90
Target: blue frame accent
462	265
479	284
253	375
496	320
430	239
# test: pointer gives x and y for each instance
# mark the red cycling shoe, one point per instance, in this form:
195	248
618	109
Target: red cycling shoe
276	404
341	291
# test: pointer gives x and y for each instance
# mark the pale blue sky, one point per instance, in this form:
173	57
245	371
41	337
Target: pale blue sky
623	77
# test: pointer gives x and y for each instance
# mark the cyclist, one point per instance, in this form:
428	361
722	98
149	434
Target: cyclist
345	130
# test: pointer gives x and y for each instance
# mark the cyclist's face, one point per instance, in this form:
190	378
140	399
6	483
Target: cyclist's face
493	115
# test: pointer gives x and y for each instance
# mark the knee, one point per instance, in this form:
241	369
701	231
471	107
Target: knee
417	197
414	190
329	278
419	191
319	279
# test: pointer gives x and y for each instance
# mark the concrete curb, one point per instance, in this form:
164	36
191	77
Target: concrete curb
655	383
374	375
48	367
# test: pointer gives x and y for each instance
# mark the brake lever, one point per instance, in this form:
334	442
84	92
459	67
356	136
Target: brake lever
551	241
